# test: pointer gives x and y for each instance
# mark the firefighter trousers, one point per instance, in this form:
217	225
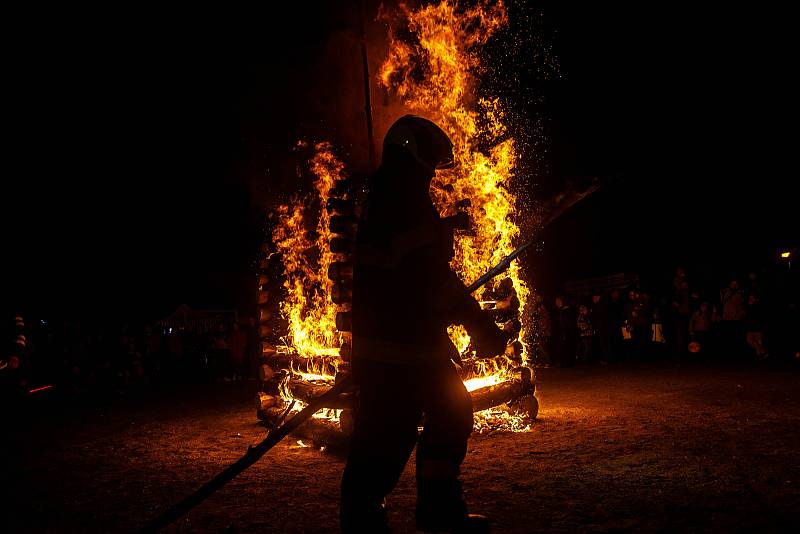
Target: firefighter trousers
394	400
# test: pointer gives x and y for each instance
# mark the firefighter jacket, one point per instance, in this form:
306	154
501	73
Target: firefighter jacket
404	293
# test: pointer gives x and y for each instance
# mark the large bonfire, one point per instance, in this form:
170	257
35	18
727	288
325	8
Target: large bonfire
431	69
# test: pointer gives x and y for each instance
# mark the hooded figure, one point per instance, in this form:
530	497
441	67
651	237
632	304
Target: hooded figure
404	297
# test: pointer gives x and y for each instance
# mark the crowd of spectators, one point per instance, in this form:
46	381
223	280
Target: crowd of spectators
96	358
742	320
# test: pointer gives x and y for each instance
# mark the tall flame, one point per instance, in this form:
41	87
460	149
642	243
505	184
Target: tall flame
306	257
433	75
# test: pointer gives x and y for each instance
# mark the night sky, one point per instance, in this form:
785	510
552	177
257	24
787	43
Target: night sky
145	150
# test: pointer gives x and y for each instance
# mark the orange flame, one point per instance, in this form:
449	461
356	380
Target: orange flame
308	306
433	74
444	48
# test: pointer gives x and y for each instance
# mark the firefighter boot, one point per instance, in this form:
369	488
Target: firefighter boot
441	508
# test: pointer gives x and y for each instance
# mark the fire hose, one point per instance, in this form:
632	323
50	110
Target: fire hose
255	452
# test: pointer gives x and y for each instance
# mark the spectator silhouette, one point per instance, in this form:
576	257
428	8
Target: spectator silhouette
733	312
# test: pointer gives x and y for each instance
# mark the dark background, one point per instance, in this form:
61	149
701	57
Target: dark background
145	149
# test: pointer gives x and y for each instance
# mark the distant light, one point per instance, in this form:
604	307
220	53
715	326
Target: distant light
785	254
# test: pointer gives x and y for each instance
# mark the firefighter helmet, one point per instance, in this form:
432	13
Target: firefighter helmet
423	139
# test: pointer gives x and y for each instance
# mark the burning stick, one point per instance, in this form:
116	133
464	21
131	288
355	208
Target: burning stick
490	396
306	392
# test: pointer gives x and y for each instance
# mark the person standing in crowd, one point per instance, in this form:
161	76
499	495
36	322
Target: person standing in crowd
657	339
616	309
733	312
700	328
754	322
681	314
637	323
585	335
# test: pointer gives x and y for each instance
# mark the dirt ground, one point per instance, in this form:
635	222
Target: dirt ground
658	447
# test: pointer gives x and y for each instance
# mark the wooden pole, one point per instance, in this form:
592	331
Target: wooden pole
367	97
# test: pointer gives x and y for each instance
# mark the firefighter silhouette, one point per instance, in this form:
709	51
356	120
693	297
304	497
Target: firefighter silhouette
404	297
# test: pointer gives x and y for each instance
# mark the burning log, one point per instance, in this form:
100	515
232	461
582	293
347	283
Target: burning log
319	430
265	401
491	396
477	367
518	385
306	391
283	360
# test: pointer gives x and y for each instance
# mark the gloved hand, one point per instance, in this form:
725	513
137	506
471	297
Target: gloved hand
491	341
